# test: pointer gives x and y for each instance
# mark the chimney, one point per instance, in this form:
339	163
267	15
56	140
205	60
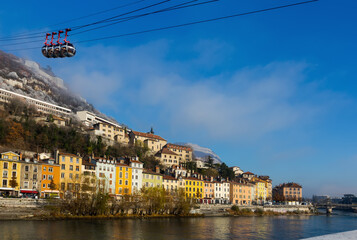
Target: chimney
56	156
157	169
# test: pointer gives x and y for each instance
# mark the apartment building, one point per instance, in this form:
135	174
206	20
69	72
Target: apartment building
137	174
106	173
184	153
10	168
30	179
50	174
103	127
221	192
289	192
241	193
153	142
208	196
167	158
123	184
151	178
170	183
41	106
70	172
194	188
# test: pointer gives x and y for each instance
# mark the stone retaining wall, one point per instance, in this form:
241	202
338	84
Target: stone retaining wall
22	202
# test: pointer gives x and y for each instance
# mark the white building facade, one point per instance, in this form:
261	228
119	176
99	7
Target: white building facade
137	175
106	172
221	192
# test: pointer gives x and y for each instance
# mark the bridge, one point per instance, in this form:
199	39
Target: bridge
338	206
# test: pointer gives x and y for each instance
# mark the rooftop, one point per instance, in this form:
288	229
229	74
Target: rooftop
176	146
148	135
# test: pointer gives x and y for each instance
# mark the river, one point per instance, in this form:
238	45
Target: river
275	227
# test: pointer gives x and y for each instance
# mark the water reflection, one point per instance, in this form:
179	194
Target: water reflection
277	227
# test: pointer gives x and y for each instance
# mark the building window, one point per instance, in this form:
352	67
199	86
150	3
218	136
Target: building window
14	166
71	159
77	168
26	168
71	167
63	167
50	169
77	160
63	159
62	175
6	165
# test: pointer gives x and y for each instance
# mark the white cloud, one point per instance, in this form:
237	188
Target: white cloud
245	103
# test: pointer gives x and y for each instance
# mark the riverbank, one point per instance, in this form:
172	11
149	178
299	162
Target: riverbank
40	209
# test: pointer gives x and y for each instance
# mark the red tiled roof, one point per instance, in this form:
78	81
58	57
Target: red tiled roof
249	173
122	164
135	161
169	178
147	171
192	178
175	146
294	185
148	135
167	151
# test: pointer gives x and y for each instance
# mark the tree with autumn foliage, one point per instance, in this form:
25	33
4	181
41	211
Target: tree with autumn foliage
15	135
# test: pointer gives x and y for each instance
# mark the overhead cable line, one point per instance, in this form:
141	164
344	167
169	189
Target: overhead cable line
199	22
125	19
188	24
120	15
121	20
24	35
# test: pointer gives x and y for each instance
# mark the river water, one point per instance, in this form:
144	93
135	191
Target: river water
275	227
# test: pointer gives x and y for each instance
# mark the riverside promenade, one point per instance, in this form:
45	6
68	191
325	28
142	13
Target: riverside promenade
350	235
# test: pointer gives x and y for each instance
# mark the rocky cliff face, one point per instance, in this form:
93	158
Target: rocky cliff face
30	79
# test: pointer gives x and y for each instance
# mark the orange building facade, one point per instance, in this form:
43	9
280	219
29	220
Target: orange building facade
50	172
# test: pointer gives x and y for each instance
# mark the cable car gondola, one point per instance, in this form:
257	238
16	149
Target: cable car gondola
45	46
61	50
68	48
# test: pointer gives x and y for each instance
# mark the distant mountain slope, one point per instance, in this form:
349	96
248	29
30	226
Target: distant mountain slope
203	152
30	79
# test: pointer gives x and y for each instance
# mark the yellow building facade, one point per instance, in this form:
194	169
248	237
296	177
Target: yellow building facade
10	166
123	179
152	179
70	172
194	188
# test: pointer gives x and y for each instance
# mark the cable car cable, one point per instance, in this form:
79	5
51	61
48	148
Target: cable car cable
146	14
189	23
175	7
71	20
199	22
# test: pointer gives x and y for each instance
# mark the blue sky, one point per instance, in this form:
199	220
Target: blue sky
273	93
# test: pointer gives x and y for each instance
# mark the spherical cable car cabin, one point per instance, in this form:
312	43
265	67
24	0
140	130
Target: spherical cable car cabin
58	47
51	48
68	48
44	49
